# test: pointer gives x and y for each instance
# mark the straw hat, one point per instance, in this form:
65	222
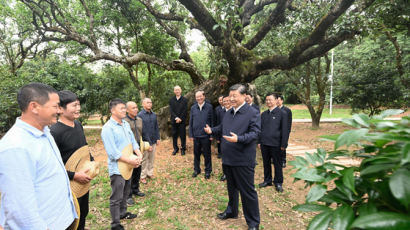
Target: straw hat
126	169
76	222
144	145
80	161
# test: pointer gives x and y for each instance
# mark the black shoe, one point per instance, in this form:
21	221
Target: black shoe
219	156
130	202
279	188
253	228
175	152
223	178
139	193
207	176
182	152
284	164
128	216
264	184
224	216
195	174
119	227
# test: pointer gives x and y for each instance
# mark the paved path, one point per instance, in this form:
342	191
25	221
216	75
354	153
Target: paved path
300	150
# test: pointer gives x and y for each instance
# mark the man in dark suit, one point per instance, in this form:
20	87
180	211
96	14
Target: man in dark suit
219	110
240	128
249	100
201	114
178	106
289	112
226	106
273	139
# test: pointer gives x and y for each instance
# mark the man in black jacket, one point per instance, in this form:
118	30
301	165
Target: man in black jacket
178	106
289	113
273	139
201	115
240	128
219	110
249	100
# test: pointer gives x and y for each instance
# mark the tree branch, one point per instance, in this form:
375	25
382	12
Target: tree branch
249	9
275	18
319	32
204	18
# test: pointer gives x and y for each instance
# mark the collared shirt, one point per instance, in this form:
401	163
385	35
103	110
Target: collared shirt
201	105
150	132
198	119
34	186
270	110
116	137
236	109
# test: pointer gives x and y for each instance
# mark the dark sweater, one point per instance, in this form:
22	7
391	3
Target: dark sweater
178	108
150	132
274	128
198	119
255	106
68	140
246	124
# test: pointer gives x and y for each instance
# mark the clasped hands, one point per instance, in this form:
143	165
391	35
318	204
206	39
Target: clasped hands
233	138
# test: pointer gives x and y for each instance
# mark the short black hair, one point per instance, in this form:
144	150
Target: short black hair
241	88
35	91
114	102
66	97
280	96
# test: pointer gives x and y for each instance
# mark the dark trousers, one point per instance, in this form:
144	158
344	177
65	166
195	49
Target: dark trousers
269	154
118	199
178	130
283	155
83	203
202	145
219	147
241	178
135	181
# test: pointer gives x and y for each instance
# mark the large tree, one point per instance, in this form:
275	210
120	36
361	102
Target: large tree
236	28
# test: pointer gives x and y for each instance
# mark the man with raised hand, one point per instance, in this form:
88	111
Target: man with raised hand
116	134
150	134
34	186
240	128
178	107
201	114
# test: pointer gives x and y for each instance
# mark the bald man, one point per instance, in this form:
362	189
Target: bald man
178	107
136	127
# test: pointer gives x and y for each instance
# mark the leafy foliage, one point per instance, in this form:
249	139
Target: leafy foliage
373	195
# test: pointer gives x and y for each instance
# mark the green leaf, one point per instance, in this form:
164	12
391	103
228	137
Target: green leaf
348	179
343	216
361	119
399	184
310	208
349	137
331	138
308	175
344	191
367	208
331	167
215	27
350	122
375	169
320	221
315	193
391	112
299	162
406	154
382	221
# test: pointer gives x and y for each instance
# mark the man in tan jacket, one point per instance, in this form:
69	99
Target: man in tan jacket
136	127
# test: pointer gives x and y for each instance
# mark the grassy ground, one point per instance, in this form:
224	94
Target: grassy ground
336	113
175	200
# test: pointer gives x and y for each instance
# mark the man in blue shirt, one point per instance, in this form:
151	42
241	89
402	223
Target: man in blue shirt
34	186
116	134
273	139
240	128
201	114
150	134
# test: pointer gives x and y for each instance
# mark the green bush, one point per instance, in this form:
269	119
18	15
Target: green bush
373	195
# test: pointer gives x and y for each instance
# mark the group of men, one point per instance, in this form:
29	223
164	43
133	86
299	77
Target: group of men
35	184
238	127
